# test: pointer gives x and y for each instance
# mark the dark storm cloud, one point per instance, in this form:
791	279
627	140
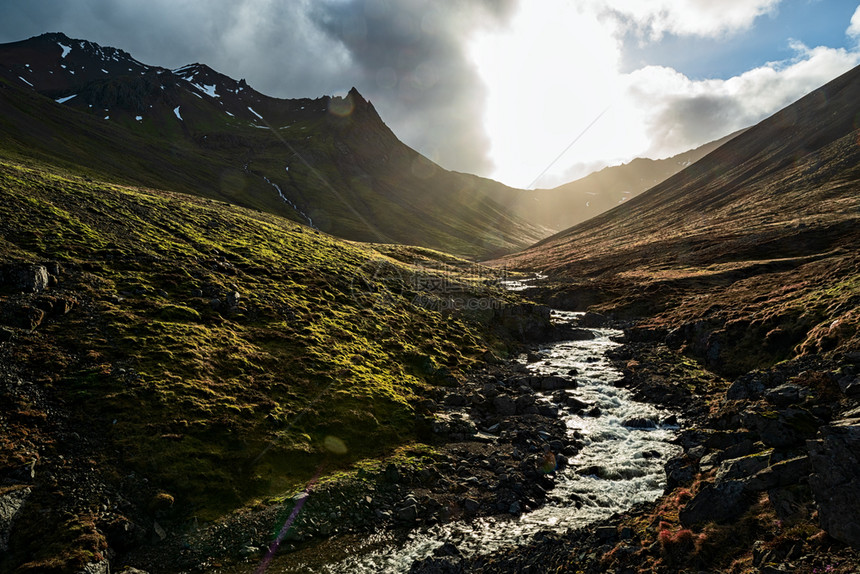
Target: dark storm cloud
407	56
412	58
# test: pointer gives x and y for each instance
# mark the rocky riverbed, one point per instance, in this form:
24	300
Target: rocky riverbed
546	443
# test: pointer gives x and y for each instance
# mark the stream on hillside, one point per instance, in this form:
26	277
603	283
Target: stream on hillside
619	466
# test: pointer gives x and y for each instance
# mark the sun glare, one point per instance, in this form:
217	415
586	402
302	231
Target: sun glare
550	74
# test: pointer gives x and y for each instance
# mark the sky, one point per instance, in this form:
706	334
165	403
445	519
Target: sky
533	93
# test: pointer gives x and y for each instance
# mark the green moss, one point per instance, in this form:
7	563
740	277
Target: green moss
222	400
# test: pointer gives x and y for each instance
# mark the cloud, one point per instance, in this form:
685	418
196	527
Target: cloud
705	18
679	113
412	58
854	28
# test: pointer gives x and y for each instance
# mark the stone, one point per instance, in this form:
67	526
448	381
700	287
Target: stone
407	513
504	405
471	505
783	429
523	402
715	503
784	473
101	567
576	404
20	315
606	533
749	386
515	507
680	471
159	531
835	482
24	277
248	550
10	504
552	383
591	319
850	387
784	395
548	411
639	423
740	468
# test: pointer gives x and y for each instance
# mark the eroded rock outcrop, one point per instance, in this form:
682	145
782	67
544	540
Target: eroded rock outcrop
835	482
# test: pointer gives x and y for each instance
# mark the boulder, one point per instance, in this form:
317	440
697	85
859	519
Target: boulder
639	423
783	429
20	315
504	405
835	482
552	383
743	467
785	395
10	504
24	277
784	473
716	503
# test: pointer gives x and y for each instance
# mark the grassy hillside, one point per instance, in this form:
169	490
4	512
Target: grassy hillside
221	353
572	203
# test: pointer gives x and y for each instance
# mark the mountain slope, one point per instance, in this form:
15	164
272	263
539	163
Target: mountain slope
329	162
572	203
752	247
163	356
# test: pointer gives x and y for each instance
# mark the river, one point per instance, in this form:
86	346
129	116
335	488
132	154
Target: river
619	466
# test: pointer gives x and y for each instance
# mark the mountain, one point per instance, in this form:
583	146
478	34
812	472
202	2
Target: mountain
330	163
572	203
751	252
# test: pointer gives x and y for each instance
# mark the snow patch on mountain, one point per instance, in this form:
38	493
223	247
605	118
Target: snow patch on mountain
206	89
66	99
176	112
66	49
250	109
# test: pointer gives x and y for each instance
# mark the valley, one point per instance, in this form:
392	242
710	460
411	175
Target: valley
240	333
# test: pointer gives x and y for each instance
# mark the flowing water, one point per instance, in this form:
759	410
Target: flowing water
618	467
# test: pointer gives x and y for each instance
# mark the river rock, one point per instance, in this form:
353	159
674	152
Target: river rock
639	423
407	513
749	386
680	471
504	405
552	383
835	458
591	320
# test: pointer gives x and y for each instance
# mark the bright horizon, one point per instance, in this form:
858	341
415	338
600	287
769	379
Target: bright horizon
499	89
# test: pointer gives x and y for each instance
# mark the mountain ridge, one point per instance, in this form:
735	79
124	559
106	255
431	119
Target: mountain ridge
329	160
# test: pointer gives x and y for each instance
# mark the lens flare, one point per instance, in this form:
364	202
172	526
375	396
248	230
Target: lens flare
273	547
334	445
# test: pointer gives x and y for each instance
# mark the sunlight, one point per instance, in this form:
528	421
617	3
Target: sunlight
549	74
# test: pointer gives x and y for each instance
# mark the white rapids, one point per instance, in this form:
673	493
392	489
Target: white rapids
617	468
